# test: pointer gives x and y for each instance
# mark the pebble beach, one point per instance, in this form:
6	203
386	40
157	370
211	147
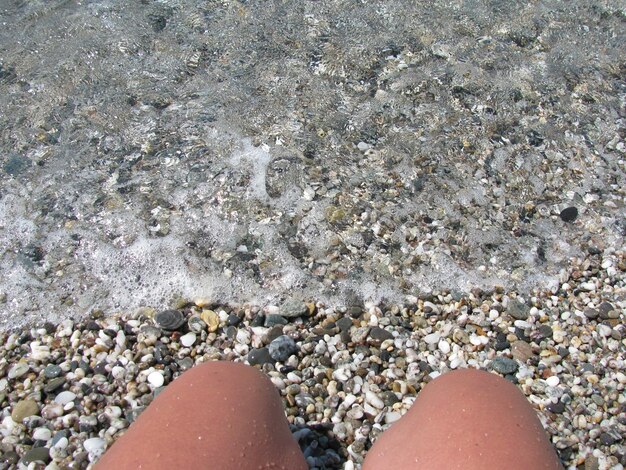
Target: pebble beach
353	197
69	390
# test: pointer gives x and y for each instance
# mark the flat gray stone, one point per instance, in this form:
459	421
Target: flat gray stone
518	310
504	365
260	356
293	308
38	454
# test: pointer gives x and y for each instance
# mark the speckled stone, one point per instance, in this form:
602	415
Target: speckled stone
293	308
282	347
504	365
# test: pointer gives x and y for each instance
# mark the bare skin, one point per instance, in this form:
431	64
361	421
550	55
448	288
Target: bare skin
218	415
223	415
466	419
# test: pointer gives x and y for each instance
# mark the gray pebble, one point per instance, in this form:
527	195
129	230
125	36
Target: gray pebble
518	310
273	320
504	365
38	454
282	347
169	319
293	308
52	371
380	334
344	324
259	356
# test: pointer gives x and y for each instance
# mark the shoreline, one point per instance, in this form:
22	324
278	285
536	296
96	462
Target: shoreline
350	372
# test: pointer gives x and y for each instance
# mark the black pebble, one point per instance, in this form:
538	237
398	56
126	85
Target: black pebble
558	407
233	320
569	214
259	356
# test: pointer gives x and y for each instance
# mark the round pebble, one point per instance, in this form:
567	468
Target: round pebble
156	378
188	339
65	397
23	409
282	347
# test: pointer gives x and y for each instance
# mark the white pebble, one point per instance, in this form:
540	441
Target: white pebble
64	398
39	352
392	417
62	443
94	445
188	340
117	372
374	400
42	434
18	370
432	338
553	381
604	330
444	346
156	379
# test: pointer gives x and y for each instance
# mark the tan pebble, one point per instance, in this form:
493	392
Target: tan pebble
23	409
211	319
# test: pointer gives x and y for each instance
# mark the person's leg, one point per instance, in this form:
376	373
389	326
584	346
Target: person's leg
465	419
218	415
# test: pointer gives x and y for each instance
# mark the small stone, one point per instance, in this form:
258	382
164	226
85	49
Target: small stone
504	366
11	457
233	320
432	338
211	318
95	445
65	397
260	356
518	310
156	378
607	439
282	347
196	324
380	334
293	308
188	339
18	370
521	350
54	385
558	407
444	346
569	214
543	332
591	463
42	434
52	410
52	371
23	409
169	320
344	324
591	313
274	319
553	381
37	454
63	434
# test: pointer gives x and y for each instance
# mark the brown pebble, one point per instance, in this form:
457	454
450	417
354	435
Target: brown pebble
521	350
